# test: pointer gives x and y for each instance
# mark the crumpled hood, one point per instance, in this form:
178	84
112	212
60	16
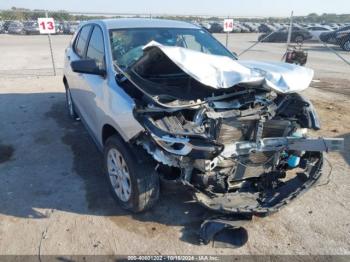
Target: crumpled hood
223	72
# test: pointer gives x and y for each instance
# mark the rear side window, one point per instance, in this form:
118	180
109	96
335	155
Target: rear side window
96	48
80	44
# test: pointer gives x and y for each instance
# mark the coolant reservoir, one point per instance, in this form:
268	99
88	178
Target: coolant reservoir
300	132
294	160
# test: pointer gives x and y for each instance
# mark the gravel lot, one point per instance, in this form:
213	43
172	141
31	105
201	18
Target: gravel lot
54	199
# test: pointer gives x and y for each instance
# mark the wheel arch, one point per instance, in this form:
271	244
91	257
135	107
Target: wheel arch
142	157
108	131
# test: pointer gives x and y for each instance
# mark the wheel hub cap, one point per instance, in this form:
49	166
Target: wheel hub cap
118	173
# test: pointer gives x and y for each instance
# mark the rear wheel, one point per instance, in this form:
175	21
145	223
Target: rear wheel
134	185
70	104
346	45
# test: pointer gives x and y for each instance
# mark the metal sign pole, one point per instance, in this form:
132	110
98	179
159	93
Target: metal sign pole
226	39
290	31
227	34
50	44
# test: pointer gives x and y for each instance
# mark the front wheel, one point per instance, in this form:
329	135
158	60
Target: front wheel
134	185
299	39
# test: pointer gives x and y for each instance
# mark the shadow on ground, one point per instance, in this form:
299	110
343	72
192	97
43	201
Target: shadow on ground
48	161
54	180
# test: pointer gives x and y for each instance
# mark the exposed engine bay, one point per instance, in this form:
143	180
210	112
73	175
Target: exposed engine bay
241	148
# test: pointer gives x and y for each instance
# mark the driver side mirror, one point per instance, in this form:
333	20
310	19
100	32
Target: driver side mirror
87	66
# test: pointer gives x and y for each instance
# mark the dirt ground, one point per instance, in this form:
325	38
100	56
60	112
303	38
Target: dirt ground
55	200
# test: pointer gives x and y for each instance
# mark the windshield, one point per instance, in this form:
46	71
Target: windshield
127	44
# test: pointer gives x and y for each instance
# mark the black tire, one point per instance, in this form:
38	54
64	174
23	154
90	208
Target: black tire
70	104
299	39
346	45
143	178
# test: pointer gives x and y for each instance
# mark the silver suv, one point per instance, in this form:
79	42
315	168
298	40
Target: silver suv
165	101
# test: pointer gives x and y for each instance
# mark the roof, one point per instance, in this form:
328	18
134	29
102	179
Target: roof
145	23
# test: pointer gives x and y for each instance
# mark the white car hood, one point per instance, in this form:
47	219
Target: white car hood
224	72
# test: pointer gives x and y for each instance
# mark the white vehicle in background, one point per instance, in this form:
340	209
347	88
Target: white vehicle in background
316	31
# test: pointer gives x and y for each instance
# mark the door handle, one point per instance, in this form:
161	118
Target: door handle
68	58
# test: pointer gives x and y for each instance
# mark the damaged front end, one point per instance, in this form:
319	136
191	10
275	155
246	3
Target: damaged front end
239	144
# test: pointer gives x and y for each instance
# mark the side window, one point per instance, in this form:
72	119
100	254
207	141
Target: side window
76	42
96	47
80	44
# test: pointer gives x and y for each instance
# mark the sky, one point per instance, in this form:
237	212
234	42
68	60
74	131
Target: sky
197	7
